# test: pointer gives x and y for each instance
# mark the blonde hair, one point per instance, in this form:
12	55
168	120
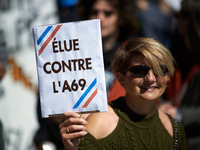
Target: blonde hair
154	52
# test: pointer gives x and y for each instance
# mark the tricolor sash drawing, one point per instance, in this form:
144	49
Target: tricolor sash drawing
70	67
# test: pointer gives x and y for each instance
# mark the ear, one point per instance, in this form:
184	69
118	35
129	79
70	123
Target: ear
120	78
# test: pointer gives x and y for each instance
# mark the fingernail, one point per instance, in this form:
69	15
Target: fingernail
85	132
84	121
77	115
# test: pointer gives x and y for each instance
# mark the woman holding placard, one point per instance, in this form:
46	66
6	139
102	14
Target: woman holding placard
143	67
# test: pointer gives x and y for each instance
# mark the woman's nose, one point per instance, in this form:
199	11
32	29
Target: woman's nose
101	15
150	76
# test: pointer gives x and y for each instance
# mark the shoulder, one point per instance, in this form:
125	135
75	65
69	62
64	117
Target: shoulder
102	124
174	128
166	122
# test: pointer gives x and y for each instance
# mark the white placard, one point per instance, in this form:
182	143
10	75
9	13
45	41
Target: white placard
70	67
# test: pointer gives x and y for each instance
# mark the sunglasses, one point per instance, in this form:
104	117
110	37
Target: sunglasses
141	70
106	13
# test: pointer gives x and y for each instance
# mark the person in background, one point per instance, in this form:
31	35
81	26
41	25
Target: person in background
143	67
157	20
118	24
67	10
184	105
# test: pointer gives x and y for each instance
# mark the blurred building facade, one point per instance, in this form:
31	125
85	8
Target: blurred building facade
18	96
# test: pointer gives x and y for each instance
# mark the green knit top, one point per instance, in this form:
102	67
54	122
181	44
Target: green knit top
135	132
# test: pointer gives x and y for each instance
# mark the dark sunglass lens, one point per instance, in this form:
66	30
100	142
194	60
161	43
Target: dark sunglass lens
164	70
108	13
139	71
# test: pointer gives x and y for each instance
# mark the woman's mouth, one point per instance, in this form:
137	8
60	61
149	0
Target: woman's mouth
148	88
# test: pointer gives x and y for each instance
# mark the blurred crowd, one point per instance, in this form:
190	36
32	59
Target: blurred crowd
174	23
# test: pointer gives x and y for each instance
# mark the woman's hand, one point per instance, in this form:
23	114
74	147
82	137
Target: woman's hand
72	129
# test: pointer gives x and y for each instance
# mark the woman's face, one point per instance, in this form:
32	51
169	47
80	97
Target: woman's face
149	87
108	15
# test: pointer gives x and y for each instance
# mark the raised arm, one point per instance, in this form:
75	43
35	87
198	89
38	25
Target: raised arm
73	126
